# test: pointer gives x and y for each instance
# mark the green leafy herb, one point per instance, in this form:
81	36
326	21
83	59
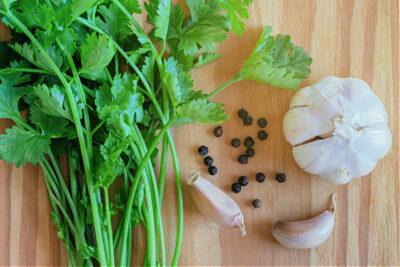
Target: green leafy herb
277	61
19	146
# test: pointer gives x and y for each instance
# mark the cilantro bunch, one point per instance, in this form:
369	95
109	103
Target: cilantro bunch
81	78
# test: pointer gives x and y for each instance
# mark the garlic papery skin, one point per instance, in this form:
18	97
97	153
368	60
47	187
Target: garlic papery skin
307	233
214	203
338	129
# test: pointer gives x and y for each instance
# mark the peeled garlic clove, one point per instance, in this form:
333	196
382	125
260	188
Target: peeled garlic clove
215	203
306	233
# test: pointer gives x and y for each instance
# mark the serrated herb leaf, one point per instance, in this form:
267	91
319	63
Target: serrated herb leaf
96	52
277	62
178	82
236	11
201	110
19	146
33	56
11	91
52	101
51	126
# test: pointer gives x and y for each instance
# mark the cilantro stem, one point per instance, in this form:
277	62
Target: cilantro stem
97	128
84	152
142	165
163	169
222	87
31	70
179	232
109	227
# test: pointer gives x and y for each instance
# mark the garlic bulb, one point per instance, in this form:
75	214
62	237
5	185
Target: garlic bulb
307	233
215	203
338	129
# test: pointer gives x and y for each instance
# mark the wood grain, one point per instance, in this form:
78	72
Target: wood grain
358	38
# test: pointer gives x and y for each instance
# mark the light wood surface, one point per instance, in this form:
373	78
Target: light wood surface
357	38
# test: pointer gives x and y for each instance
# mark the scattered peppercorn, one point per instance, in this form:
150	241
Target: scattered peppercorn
242	113
250	152
218	131
243	159
236	187
260	177
257	203
262	135
280	177
262	122
243	180
203	150
212	170
248	121
208	161
235	142
249	142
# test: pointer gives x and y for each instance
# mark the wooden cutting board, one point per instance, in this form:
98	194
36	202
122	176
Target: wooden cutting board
357	38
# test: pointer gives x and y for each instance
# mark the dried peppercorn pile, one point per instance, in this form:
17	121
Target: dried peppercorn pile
248	143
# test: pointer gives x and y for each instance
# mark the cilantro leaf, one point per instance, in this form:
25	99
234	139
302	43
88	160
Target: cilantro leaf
80	6
11	93
148	69
205	27
33	56
67	39
121	99
115	23
201	110
52	101
109	162
51	126
159	14
96	52
178	82
236	10
277	62
18	146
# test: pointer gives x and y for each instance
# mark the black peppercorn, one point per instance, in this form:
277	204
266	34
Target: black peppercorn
243	159
212	170
236	187
248	121
260	177
235	142
250	152
218	131
257	203
280	177
208	161
242	113
203	150
249	142
243	180
262	135
262	122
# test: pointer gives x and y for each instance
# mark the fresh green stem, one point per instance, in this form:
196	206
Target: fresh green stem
97	128
179	233
127	217
31	70
117	235
73	179
84	152
109	227
157	205
163	169
109	78
129	245
6	7
222	87
116	63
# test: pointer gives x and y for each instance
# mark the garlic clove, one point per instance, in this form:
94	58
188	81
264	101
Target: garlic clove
214	203
306	233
